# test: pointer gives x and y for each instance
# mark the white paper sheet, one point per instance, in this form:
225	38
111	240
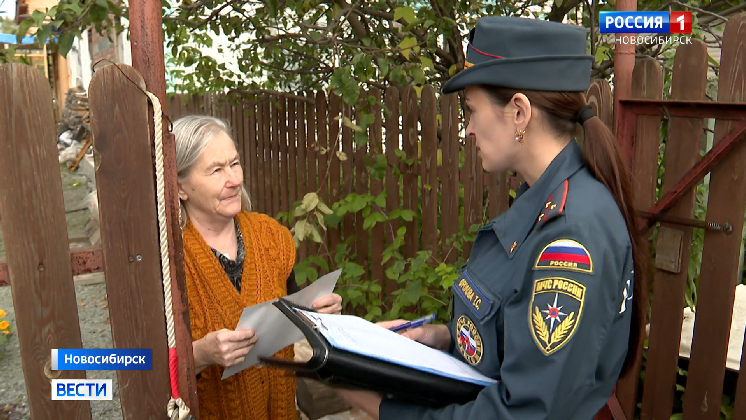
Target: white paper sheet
357	335
273	329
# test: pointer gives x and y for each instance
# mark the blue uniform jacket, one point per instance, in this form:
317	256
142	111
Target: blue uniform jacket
544	303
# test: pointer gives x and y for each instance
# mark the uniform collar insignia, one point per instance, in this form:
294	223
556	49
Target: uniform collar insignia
516	223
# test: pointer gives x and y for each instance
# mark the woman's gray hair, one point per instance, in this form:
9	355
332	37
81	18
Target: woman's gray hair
193	134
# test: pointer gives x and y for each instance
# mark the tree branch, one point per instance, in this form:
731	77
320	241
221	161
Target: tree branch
419	35
591	9
360	30
558	13
455	49
269	39
706	20
203	22
319	71
703	11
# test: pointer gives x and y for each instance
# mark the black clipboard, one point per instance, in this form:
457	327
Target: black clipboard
340	368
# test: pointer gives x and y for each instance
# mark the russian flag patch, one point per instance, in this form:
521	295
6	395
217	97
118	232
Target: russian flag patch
565	254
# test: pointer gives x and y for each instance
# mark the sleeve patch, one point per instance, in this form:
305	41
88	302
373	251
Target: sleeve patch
565	254
554	312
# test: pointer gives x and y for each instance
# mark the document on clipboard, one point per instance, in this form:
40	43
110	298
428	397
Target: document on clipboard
350	352
356	335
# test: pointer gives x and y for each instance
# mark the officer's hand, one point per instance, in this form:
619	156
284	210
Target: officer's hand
225	347
436	336
367	401
329	304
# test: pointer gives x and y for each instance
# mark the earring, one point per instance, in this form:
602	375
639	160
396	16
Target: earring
519	135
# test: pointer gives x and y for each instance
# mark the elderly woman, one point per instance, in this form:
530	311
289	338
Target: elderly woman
234	258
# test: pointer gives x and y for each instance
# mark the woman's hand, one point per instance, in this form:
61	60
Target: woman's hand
367	401
329	304
435	336
223	347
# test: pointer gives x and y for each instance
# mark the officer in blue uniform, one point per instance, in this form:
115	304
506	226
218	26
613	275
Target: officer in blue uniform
545	304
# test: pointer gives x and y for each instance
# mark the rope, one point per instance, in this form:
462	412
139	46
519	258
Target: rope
177	408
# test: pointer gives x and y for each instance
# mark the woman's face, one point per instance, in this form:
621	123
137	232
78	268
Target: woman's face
212	189
493	128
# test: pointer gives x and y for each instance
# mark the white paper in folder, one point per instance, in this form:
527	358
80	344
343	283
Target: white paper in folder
356	335
273	329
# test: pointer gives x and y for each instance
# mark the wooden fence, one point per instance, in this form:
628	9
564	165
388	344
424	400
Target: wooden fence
40	265
718	275
290	144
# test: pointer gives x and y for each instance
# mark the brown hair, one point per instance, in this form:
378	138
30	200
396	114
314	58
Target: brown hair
602	157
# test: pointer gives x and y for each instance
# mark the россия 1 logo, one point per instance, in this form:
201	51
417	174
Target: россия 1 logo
646	22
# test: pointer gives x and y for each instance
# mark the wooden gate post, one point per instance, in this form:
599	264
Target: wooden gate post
717	281
129	234
35	232
647	83
682	152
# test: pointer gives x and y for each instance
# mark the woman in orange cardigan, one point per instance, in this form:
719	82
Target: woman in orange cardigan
234	258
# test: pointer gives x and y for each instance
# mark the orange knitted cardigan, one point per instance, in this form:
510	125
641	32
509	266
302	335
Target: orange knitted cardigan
214	303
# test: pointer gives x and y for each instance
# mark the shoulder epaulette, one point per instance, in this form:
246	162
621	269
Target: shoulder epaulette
554	206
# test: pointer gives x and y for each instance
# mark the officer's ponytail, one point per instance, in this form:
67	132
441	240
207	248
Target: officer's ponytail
602	157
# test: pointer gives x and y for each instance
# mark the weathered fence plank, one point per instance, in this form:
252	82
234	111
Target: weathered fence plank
312	161
600	98
275	157
283	150
293	195
392	112
682	152
129	233
472	196
647	82
302	164
324	159
35	234
429	172
348	178
719	271
362	242
250	169
449	108
376	187
335	233
410	136
264	156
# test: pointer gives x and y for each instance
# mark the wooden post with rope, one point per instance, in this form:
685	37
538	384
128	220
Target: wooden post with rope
140	276
146	30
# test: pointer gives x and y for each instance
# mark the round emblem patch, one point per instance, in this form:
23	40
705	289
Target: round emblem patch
469	340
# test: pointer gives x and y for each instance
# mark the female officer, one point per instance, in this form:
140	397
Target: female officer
545	303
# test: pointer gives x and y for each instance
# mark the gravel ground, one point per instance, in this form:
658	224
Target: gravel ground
95	332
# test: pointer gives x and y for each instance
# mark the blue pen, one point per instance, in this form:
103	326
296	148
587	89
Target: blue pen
414	324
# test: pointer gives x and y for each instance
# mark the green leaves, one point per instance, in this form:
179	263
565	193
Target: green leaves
404	12
406	46
427	63
23	29
343	84
66	42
